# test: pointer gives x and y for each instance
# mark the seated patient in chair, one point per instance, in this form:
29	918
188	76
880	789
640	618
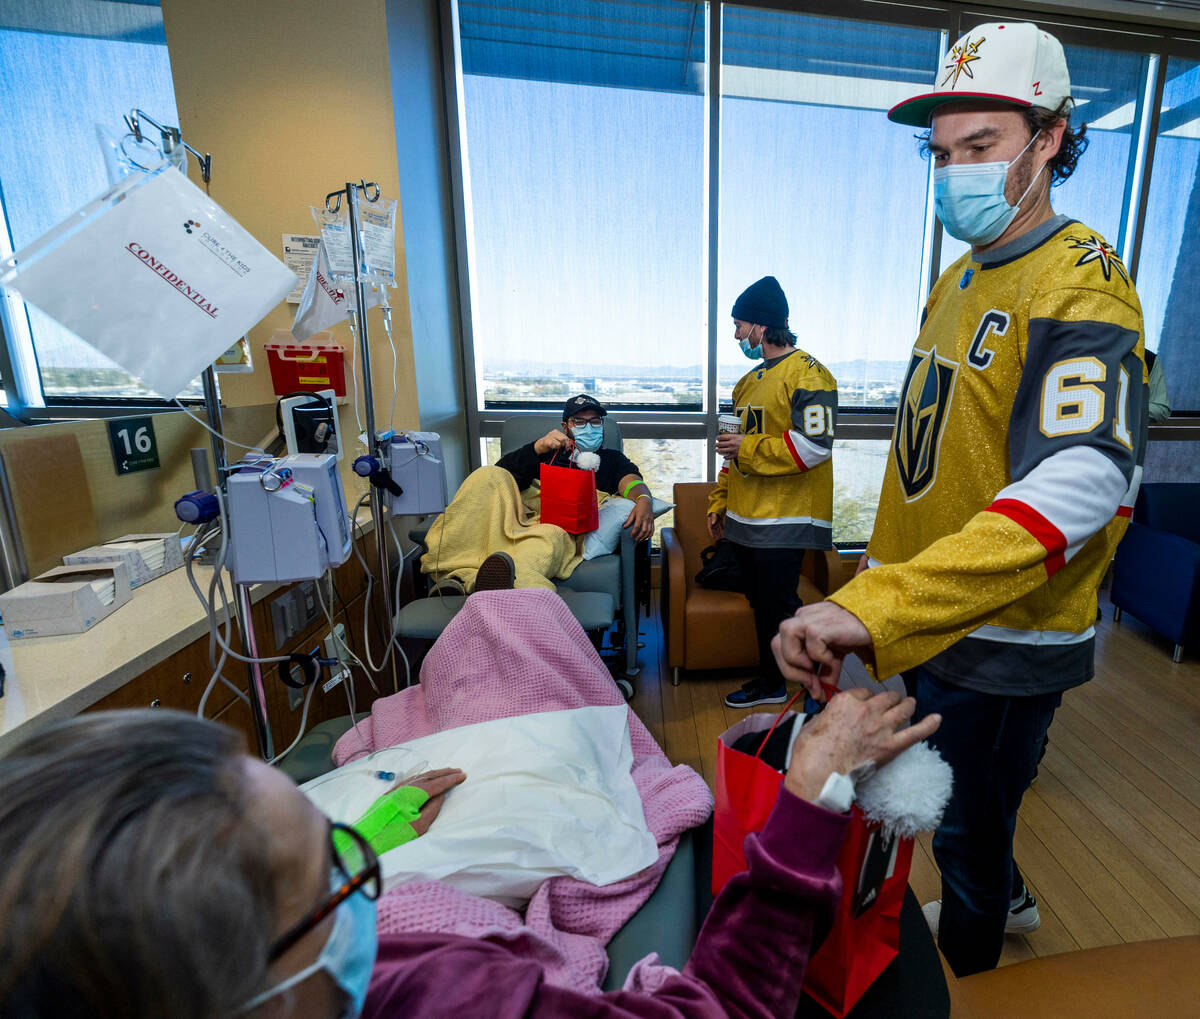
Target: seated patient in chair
150	868
490	537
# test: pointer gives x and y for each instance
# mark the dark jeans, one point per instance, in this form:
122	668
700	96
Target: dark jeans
992	743
769	579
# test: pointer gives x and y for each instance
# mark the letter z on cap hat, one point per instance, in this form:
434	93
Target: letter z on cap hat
1014	63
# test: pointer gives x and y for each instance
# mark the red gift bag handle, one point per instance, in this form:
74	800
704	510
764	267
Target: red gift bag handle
550	462
829	691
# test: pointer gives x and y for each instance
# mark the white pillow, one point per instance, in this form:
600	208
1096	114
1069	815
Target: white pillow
546	794
613	513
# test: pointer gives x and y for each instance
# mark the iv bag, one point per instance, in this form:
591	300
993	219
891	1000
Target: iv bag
153	274
377	222
376	241
335	236
325	302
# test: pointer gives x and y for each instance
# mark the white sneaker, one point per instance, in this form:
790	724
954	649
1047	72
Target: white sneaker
1022	916
933	913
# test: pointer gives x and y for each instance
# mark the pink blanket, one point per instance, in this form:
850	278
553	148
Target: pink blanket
513	653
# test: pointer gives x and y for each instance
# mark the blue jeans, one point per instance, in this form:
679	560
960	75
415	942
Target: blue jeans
992	743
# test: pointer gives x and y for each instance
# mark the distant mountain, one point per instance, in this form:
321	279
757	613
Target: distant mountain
526	368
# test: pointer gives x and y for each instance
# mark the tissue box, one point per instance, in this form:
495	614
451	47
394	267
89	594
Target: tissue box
65	600
144	563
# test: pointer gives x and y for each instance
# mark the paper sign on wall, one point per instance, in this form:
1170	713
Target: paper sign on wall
299	253
153	274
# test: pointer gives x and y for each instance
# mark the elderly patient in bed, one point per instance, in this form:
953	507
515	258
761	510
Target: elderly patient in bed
149	867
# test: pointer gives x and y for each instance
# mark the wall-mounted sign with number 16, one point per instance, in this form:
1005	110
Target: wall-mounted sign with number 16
134	447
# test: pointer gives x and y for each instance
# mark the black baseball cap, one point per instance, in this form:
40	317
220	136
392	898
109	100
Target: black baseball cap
580	403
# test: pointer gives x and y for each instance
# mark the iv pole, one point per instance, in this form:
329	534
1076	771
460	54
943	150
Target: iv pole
171	139
333	202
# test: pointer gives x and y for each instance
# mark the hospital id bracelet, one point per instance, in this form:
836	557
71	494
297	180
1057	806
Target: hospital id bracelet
840	791
837	794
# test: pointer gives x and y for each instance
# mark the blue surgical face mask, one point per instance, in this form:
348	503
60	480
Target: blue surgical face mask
970	199
348	955
755	353
588	437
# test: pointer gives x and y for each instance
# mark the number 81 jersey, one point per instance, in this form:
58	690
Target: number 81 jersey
1024	396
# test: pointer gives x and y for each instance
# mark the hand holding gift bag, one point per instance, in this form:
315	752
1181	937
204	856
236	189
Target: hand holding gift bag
569	498
905	796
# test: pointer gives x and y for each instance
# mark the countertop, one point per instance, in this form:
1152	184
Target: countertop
49	678
55	677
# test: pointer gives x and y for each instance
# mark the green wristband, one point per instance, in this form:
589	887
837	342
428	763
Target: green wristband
631	486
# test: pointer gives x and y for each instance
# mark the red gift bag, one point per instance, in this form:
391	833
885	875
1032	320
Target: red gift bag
569	499
865	936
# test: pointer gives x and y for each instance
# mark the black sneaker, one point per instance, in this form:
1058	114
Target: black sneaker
754	693
496	573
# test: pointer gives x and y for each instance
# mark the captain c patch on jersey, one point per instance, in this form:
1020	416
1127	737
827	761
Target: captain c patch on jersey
924	402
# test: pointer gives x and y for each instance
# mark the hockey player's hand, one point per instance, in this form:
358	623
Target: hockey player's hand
716	526
819	634
728	444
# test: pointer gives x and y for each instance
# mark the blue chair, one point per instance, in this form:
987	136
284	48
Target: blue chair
1156	571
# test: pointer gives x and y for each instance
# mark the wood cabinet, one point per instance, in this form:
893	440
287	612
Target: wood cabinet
179	680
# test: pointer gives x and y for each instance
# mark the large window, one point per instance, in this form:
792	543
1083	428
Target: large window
821	191
583	166
629	166
1170	258
69	71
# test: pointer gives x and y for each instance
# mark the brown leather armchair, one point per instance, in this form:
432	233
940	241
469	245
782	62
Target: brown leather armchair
707	629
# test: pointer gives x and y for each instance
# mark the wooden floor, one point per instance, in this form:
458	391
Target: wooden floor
1108	838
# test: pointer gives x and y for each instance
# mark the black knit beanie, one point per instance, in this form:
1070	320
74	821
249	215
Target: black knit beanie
763	304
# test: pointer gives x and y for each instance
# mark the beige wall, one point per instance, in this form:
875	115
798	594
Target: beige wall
293	99
116	504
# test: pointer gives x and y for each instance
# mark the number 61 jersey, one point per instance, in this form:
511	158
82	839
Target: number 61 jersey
1017	442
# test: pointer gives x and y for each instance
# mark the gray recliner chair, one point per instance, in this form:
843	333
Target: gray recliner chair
614	574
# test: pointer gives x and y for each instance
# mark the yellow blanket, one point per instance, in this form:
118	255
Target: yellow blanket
489	515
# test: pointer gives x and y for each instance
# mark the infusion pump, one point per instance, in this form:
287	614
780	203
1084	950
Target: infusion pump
287	518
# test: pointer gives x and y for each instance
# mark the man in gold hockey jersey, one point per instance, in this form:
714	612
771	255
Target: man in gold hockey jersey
1013	469
774	496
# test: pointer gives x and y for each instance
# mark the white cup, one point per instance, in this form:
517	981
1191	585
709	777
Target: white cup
728	423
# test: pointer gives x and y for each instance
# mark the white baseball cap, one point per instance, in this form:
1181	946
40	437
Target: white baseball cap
1009	62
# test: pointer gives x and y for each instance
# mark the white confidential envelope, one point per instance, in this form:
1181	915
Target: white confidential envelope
546	794
155	275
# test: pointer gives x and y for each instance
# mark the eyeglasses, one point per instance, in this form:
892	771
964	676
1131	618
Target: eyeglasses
356	862
581	422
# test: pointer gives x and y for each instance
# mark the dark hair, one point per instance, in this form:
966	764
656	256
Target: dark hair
1074	140
131	882
1037	118
783	337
